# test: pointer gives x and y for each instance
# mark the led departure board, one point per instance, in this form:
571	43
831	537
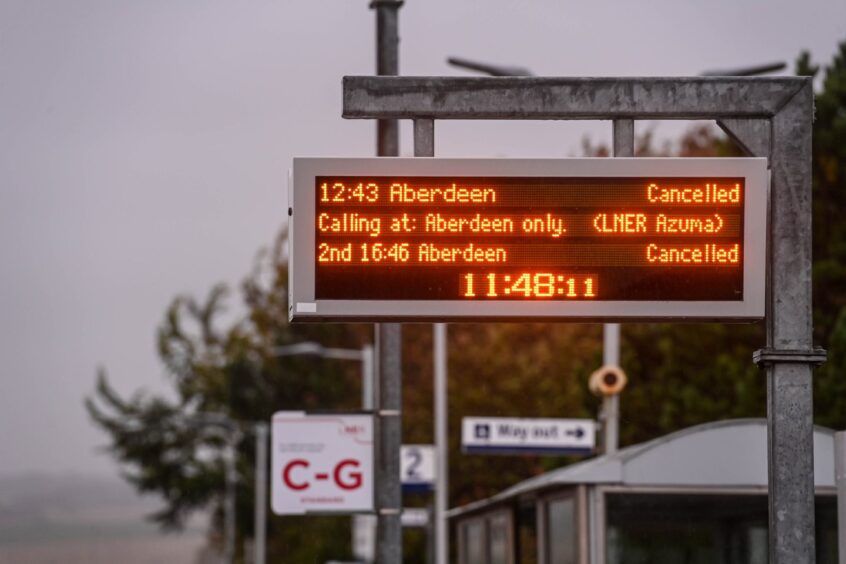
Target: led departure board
603	239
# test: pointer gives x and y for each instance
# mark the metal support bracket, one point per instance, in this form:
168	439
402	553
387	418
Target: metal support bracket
768	117
815	356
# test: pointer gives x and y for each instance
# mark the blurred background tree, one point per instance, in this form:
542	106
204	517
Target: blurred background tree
829	247
235	372
679	375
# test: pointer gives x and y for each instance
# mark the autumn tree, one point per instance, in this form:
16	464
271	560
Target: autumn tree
829	232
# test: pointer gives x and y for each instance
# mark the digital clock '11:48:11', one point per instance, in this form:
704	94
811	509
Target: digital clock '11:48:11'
527	285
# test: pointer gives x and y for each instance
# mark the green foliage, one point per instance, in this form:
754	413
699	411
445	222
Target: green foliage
829	177
683	375
830	385
829	173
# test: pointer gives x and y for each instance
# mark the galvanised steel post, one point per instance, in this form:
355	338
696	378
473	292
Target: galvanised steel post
389	439
790	357
387	64
441	527
388	396
368	377
260	525
769	117
424	146
623	146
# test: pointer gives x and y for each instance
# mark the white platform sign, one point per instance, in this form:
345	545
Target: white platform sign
414	517
321	463
364	537
364	531
502	435
417	466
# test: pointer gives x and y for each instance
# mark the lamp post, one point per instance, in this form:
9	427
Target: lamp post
488	68
363	355
493	69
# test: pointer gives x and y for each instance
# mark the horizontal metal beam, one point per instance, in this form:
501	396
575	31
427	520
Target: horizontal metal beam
403	97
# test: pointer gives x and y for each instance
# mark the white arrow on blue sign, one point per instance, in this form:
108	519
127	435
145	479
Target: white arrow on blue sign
506	435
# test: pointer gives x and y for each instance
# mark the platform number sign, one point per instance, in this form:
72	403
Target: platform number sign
417	467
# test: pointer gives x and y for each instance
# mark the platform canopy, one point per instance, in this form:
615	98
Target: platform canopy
730	454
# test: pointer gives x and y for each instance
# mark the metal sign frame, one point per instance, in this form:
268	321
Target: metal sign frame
304	306
767	117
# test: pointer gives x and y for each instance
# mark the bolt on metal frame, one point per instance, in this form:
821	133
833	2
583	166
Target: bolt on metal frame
767	117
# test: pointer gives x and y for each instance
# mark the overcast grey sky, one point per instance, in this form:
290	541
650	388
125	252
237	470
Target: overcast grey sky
144	149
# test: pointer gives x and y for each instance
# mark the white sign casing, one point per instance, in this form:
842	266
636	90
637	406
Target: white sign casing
321	463
306	305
